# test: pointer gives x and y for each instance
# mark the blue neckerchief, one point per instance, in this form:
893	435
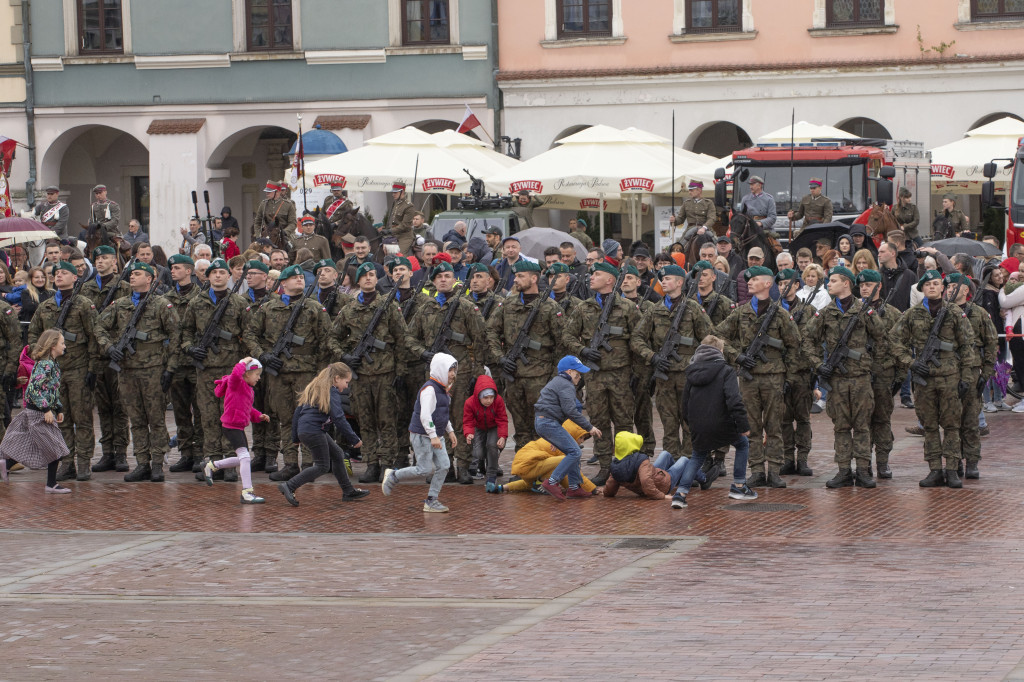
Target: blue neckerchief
700	298
552	296
213	298
441	299
475	296
668	302
58	297
136	297
252	295
99	280
839	304
927	306
785	303
600	302
753	304
286	299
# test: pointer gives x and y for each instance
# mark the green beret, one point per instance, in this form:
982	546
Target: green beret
103	251
257	265
927	277
176	259
145	267
605	266
64	265
525	266
673	270
290	271
786	275
698	266
443	266
958	278
218	264
757	271
398	260
324	263
869	276
365	268
558	269
475	268
631	270
845	272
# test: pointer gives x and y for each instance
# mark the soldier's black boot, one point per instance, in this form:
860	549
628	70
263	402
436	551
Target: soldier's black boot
935	479
465	478
788	469
371	473
843	479
953	479
184	463
156	473
84	470
120	461
450	477
802	469
141	472
883	470
772	479
972	471
258	462
960	468
863	478
197	465
231	475
106	463
601	478
757	479
66	471
284	474
271	465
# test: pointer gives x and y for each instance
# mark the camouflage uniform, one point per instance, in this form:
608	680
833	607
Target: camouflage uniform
609	400
884	371
937	402
643	407
796	410
986	345
266	438
11	345
813	210
80	357
568	303
525	213
113	418
373	391
762	395
275	214
184	390
139	384
507	318
332	300
851	401
646	342
265	326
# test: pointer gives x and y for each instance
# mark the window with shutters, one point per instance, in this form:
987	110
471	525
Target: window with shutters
425	22
997	10
269	24
843	13
584	18
100	27
714	16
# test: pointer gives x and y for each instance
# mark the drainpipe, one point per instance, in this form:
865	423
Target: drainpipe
496	96
30	103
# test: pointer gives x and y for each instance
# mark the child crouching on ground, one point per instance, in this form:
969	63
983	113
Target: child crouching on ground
429	413
485	427
713	410
536	461
634	471
237	392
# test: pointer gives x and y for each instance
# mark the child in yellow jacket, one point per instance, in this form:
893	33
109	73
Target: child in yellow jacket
536	461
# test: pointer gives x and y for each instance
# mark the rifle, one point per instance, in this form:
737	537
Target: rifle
881	308
288	338
113	289
368	342
761	339
489	306
714	304
214	334
672	338
214	245
933	345
445	333
604	330
799	315
517	351
837	358
65	310
126	344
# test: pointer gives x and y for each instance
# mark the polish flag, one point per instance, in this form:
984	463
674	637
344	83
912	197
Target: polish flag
469	121
7	146
298	163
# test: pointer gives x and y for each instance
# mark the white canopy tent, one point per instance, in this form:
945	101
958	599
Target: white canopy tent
803	131
957	166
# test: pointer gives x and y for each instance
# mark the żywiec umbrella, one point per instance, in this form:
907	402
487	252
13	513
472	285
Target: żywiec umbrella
810	235
955	245
534	240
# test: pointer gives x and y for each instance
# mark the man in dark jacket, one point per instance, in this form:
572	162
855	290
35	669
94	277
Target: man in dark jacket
716	417
896	275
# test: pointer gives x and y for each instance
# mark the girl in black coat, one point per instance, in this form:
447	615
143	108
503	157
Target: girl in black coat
713	410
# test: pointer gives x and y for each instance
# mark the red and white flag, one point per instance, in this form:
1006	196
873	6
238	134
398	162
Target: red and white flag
469	121
6	208
7	146
298	163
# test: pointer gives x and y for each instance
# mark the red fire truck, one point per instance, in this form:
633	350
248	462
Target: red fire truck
1015	197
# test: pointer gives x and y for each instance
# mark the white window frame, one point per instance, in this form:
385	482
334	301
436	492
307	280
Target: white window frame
239	26
551	23
819	19
70	11
395	25
680	8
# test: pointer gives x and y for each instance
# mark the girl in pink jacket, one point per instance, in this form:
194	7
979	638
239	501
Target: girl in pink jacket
236	390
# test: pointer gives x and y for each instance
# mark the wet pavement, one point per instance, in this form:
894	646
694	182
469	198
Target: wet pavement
179	581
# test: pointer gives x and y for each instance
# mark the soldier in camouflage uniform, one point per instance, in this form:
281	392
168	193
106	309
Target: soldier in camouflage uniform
265	327
10	352
372	387
814	208
79	367
327	293
400	218
409	370
468	344
938	401
884	372
524	206
184	393
643	408
609	399
266	440
799	386
648	339
503	328
217	359
146	374
850	400
275	216
113	418
762	395
562	274
986	345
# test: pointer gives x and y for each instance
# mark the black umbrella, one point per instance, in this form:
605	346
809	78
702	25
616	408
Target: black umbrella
956	245
809	236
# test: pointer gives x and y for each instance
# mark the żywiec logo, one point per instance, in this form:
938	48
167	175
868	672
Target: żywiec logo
592	203
329	179
944	171
531	185
446	184
642	184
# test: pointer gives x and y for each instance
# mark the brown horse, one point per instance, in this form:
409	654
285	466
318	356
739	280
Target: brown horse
746	235
354	224
881	221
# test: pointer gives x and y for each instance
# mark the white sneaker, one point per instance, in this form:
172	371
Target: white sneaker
991	407
389	482
434	506
249	497
1019	407
208	470
1003	407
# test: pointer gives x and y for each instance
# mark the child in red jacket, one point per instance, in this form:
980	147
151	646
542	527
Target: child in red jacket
485	426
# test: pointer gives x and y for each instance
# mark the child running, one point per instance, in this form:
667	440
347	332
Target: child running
428	413
319	408
236	389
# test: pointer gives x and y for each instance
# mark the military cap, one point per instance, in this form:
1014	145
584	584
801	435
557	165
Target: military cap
869	276
786	275
630	269
324	263
553	269
144	267
180	259
815	182
64	265
103	251
695	184
950	196
698	266
290	271
398	260
604	266
52	188
99	188
526	266
439	268
581	222
398	186
673	270
845	272
337	185
364	269
928	276
442	256
757	179
958	278
218	264
271	187
756	271
475	268
256	265
307	219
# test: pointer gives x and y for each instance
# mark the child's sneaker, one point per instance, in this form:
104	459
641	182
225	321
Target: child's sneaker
577	493
554	490
741	492
434	506
679	501
249	497
208	470
493	487
389	482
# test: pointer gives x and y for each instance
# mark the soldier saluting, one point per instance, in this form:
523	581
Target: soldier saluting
400	218
54	212
104	214
814	208
275	216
